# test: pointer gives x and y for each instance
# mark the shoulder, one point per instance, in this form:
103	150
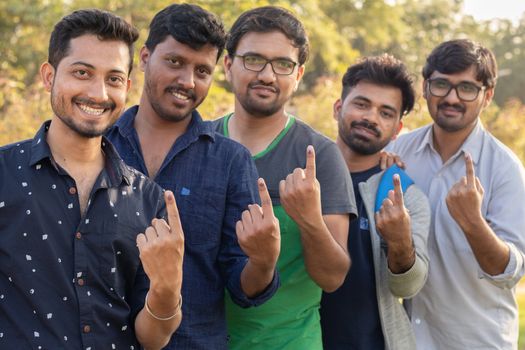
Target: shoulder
410	140
14	151
307	134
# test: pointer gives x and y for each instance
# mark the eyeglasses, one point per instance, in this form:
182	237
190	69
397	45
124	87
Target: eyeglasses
255	63
467	92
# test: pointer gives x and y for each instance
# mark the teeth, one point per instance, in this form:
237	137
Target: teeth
180	96
90	110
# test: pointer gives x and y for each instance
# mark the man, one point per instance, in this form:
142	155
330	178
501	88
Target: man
71	275
388	246
311	194
212	177
474	184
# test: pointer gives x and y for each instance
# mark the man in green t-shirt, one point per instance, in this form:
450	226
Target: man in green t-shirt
307	179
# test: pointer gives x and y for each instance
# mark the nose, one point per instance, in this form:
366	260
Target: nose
267	75
371	115
452	96
186	79
97	90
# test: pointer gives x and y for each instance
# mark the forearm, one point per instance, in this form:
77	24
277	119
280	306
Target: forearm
401	255
490	251
152	333
326	261
255	278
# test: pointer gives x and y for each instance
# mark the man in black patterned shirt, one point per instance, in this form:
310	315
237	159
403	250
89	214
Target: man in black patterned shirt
71	275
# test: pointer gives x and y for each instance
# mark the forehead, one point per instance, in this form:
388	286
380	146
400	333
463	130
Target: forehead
205	55
105	55
382	95
270	45
464	76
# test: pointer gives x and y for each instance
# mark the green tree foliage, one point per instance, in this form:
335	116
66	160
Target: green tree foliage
340	31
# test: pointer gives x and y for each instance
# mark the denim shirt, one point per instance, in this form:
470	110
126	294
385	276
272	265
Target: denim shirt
213	179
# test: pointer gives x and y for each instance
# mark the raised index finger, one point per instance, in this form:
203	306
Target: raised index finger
469	165
173	213
266	200
398	190
310	162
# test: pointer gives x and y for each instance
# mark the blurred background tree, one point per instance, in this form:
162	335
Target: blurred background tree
340	32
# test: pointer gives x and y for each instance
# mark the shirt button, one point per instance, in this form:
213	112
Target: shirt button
78	235
86	329
418	321
72	190
80	281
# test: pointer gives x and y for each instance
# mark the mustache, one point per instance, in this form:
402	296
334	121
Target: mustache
91	103
458	107
177	88
366	124
257	83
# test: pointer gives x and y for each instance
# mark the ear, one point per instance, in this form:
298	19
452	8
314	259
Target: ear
128	85
300	73
425	89
47	73
227	63
144	56
489	94
398	130
338	104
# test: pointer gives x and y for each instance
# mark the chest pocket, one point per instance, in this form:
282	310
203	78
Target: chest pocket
202	212
117	253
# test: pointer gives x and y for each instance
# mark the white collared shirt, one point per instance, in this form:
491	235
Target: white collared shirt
462	307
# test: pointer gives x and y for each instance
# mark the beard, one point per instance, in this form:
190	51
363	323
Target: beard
86	130
448	124
260	109
360	144
164	113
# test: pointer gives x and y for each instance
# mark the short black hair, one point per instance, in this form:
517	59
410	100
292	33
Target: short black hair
103	24
456	56
188	24
382	70
269	19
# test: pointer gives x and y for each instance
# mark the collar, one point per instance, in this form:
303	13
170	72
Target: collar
471	145
196	128
117	171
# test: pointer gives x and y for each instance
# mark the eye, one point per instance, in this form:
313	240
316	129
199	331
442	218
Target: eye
81	73
285	64
116	80
255	60
467	87
387	114
440	84
173	61
359	104
203	72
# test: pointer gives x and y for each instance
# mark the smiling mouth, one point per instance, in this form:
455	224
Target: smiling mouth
180	96
90	110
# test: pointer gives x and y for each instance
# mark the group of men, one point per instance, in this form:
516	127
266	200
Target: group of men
254	231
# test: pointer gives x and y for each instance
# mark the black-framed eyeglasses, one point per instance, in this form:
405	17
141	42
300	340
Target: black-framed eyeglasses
466	91
256	63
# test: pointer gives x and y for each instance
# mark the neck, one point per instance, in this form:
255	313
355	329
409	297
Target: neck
357	162
447	143
255	133
70	149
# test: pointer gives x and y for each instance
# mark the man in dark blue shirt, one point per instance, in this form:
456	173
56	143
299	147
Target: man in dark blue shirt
213	178
71	276
388	241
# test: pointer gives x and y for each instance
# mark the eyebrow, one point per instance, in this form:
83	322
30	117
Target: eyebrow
88	65
366	99
250	53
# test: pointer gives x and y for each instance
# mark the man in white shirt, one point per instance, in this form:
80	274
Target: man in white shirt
476	187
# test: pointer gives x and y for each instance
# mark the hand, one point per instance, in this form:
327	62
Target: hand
258	231
465	197
387	159
393	219
300	193
161	250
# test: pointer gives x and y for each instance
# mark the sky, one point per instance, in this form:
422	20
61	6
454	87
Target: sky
488	9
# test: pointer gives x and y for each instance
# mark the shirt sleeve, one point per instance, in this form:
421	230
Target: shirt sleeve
242	191
506	217
337	191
